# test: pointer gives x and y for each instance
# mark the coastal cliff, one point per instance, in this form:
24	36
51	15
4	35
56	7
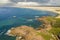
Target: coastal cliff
25	33
44	32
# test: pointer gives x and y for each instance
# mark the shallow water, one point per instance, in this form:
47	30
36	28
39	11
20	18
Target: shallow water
13	17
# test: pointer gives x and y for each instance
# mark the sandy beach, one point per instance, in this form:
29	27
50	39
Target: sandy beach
53	9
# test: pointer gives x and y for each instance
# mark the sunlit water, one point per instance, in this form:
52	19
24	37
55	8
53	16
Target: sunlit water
13	17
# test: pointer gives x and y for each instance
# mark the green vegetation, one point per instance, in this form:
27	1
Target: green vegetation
56	27
45	36
55	31
50	23
55	21
57	24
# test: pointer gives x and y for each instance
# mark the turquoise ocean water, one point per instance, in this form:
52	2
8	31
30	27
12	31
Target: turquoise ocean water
13	17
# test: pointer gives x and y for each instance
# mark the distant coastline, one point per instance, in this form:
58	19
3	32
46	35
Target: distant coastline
46	8
55	9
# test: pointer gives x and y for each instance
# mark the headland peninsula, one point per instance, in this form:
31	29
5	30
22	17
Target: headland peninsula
49	30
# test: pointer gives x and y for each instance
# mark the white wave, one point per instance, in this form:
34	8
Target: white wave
7	33
2	32
30	20
14	16
36	16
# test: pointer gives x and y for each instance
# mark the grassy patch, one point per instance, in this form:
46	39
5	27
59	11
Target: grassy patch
55	31
45	36
57	24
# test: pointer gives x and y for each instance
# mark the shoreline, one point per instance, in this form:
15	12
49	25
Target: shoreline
52	9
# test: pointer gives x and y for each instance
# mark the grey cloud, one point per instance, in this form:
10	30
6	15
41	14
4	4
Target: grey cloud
15	1
42	2
39	1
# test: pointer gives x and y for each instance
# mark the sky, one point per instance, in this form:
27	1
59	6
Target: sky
41	2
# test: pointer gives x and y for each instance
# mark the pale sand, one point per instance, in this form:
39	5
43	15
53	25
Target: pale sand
53	9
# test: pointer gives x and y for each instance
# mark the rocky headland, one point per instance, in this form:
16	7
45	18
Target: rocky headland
29	33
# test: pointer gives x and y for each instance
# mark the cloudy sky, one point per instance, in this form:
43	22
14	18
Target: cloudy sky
42	2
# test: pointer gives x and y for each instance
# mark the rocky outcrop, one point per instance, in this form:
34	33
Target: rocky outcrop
29	33
48	22
25	33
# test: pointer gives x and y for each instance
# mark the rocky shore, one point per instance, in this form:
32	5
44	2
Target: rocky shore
29	33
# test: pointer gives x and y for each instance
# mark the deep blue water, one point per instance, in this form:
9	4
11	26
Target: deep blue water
13	17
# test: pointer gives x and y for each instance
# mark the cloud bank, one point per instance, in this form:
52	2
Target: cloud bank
4	1
41	2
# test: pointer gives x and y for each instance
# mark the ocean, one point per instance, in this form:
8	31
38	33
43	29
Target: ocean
13	17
